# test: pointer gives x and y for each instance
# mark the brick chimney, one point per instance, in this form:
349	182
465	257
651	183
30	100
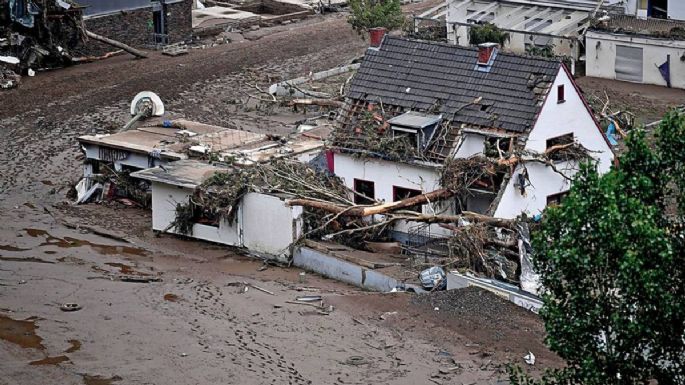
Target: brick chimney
376	36
485	52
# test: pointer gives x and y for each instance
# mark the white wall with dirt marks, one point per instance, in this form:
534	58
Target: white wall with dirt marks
601	57
386	175
263	223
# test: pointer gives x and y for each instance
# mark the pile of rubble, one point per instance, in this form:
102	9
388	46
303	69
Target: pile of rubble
37	34
8	78
40	33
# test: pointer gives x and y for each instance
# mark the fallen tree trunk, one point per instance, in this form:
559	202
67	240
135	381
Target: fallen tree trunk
88	59
118	44
387	208
316	102
364	211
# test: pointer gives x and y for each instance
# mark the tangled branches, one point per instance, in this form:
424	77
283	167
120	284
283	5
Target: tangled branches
458	175
372	136
222	192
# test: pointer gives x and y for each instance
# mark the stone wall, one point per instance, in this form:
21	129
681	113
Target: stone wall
180	21
129	27
135	27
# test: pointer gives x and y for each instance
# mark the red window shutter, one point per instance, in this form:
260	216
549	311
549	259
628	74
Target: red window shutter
560	94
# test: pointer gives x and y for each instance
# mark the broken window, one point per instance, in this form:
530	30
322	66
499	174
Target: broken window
411	135
401	193
416	127
558	141
365	192
479	201
497	147
205	216
556	199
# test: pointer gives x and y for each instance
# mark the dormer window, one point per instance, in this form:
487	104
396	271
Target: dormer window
418	128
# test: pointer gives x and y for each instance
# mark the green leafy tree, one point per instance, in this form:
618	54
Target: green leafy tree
366	14
612	261
487	33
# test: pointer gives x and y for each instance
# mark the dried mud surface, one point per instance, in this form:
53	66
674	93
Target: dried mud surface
188	325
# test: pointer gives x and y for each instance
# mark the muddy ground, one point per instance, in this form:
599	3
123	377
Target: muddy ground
189	326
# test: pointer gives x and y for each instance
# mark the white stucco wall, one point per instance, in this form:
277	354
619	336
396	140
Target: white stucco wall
676	9
263	223
269	226
164	200
601	60
386	174
571	116
471	144
544	182
555	119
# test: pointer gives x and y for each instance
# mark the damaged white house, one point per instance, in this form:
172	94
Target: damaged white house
458	102
159	142
169	160
263	223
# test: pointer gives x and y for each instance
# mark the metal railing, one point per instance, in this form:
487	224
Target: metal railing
159	39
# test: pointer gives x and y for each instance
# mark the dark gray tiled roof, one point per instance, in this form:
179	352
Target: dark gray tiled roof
441	78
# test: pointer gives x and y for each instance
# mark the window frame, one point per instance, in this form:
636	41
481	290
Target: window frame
359	200
561	94
556	199
413	192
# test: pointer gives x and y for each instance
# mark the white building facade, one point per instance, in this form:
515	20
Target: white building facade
262	223
636	58
548	110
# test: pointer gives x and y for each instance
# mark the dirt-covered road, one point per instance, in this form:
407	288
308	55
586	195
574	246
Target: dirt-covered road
192	324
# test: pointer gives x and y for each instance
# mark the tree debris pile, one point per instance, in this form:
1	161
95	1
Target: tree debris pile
371	136
460	174
37	34
118	185
8	78
219	196
486	249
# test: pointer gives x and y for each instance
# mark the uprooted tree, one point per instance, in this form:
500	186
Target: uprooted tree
612	261
478	242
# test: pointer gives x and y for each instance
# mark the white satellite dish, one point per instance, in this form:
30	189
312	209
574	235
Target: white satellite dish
143	106
147	99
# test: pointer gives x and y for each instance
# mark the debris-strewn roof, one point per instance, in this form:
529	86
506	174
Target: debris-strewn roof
661	28
183	173
441	78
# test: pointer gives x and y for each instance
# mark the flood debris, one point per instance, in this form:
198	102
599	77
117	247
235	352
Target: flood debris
529	358
39	34
70	307
309	298
138	278
433	278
